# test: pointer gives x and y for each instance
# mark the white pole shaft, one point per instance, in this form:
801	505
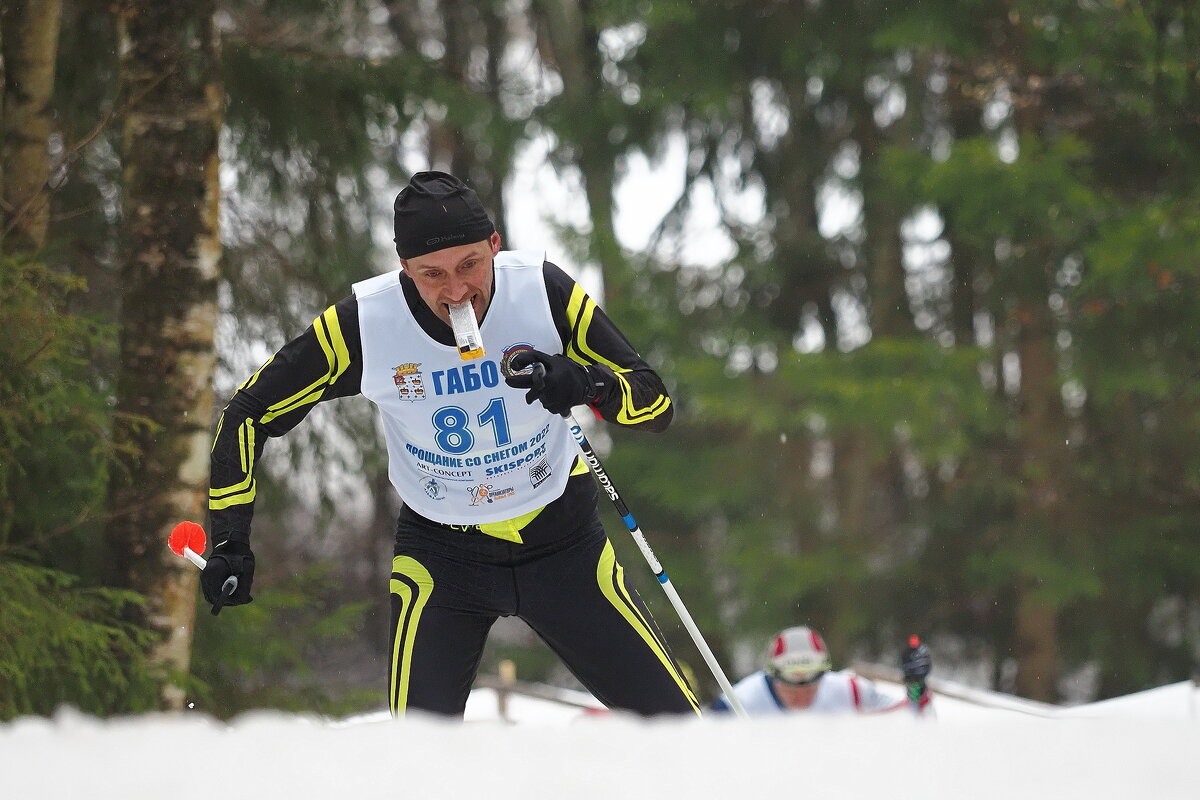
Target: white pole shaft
690	624
593	461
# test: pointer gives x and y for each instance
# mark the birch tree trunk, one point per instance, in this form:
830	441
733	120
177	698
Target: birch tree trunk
29	43
171	248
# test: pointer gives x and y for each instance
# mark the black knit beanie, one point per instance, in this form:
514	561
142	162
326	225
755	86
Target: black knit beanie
436	211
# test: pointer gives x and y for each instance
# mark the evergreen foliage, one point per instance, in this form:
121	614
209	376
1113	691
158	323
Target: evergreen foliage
54	446
966	408
871	492
63	639
65	644
266	660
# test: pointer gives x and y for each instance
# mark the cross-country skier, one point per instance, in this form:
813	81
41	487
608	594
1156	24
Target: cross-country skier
799	676
499	515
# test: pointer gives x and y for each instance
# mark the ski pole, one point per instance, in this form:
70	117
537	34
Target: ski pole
916	664
593	461
606	483
188	540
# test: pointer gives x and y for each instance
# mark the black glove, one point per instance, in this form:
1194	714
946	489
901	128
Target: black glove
559	383
231	556
915	664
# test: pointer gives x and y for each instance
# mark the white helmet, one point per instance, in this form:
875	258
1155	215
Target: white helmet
798	656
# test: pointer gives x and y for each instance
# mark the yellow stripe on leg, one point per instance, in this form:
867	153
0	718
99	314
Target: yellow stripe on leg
414	594
610	575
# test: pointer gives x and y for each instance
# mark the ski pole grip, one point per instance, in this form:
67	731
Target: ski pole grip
231	583
538	370
227	590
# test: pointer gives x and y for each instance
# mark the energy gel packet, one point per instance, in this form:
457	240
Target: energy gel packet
466	331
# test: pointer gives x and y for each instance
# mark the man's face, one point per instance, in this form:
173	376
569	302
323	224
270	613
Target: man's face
796	697
455	275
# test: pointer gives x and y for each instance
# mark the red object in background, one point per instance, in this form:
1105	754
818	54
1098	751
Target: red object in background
189	535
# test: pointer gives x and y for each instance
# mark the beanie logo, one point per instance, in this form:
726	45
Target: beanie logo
444	239
410	384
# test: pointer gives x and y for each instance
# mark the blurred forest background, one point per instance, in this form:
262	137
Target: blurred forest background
920	288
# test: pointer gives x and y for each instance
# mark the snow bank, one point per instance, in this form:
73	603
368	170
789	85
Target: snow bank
266	756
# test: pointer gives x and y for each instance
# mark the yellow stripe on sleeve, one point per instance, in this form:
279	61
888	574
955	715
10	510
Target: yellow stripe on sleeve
247	460
579	315
328	331
337	356
578	296
333	342
217	435
233	499
580	310
630	414
253	378
244	491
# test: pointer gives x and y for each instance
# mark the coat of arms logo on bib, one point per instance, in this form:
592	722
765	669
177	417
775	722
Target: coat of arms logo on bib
409	382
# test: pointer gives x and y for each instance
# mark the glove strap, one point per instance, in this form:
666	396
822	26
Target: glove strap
600	383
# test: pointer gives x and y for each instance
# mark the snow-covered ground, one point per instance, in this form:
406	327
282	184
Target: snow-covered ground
557	751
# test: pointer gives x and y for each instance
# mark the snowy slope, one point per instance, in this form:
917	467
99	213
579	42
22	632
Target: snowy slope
562	752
